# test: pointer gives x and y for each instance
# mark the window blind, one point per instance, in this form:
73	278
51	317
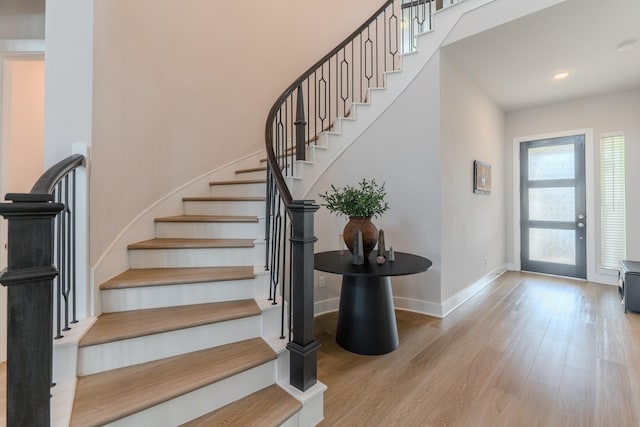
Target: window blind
612	199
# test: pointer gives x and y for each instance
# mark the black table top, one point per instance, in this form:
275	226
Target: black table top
405	264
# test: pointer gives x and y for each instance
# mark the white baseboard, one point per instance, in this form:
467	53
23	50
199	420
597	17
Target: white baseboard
461	297
513	267
326	306
425	307
418	306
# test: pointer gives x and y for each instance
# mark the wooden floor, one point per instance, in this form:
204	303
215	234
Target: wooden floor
527	351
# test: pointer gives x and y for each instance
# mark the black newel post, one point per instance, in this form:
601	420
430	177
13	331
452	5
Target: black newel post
29	279
300	124
303	347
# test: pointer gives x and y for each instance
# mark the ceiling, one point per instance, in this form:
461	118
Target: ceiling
514	63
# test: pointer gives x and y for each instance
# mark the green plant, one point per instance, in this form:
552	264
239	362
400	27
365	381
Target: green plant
365	201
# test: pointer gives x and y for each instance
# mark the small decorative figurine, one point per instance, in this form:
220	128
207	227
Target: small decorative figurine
358	253
380	260
381	249
392	255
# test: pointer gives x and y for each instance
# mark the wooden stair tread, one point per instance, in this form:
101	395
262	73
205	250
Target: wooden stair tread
207	218
239	182
108	396
143	277
258	169
223	199
268	407
117	326
178	243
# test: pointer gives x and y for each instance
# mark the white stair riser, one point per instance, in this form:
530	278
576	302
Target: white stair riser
319	154
239	190
64	361
312	412
294	421
256	208
195	257
206	399
251	175
114	300
271	316
211	230
261	283
113	355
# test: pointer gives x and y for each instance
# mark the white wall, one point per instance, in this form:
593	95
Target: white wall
423	148
473	225
22	126
181	88
401	149
69	77
610	112
21	143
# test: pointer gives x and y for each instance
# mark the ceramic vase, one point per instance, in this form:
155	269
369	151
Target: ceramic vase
369	234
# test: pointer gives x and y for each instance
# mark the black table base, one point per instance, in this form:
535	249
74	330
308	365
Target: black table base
366	320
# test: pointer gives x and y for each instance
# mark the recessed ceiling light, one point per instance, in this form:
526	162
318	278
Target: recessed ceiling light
561	76
626	45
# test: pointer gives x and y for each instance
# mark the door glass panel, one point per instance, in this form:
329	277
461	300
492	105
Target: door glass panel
552	245
553	162
552	204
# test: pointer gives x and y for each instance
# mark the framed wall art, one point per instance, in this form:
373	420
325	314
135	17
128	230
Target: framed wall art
481	177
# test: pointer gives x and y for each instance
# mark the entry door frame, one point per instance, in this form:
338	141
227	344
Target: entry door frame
590	197
577	183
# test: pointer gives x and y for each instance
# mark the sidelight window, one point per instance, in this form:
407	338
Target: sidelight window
612	199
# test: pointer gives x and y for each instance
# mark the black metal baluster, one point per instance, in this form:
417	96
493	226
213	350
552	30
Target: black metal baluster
393	35
344	77
300	125
329	96
315	106
276	251
291	296
377	54
368	59
66	262
353	81
58	226
308	115
322	88
361	70
267	217
283	262
74	277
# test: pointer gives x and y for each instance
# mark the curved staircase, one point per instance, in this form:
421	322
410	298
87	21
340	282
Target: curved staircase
187	334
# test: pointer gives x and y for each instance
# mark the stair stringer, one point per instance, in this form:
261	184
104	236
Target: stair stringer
448	26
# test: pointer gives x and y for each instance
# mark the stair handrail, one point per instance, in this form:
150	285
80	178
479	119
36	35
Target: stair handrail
41	249
52	176
286	122
271	156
